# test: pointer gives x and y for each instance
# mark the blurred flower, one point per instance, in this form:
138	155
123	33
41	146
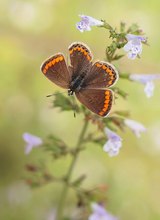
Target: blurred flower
113	144
51	215
18	193
31	142
134	45
147	80
86	23
99	213
135	126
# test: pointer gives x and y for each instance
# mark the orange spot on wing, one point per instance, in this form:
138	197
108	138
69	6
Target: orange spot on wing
104	67
44	71
85	53
46	66
112	77
57	59
53	61
50	64
60	58
98	64
101	113
110	82
71	51
107	92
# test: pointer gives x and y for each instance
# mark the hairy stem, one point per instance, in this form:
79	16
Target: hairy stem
63	195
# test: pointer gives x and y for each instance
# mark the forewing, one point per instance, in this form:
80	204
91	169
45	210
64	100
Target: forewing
101	75
55	69
80	58
96	100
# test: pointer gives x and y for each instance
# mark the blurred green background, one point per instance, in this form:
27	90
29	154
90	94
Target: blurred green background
31	31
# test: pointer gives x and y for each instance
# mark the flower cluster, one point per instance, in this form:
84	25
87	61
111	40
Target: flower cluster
134	42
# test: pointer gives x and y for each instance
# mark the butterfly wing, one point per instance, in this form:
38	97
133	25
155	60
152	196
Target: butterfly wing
96	100
101	75
80	57
55	69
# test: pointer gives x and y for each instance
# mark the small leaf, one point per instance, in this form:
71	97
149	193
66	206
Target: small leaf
120	92
117	57
79	180
122	113
56	146
122	27
65	103
117	121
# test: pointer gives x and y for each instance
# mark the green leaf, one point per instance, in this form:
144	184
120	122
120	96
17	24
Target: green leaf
79	180
120	92
65	103
117	57
56	146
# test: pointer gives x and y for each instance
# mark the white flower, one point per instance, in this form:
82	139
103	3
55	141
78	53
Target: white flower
99	213
31	142
113	144
136	127
86	23
134	45
147	80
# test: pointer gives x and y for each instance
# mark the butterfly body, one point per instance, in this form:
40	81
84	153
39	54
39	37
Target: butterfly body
76	84
89	81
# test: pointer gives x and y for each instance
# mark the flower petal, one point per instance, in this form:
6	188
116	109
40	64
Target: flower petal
149	89
28	148
134	45
127	47
113	144
86	23
31	141
131	37
131	55
91	21
144	78
100	213
136	127
112	135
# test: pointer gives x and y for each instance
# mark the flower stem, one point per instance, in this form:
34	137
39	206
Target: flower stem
63	195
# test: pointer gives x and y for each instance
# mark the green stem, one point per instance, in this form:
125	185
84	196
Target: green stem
69	173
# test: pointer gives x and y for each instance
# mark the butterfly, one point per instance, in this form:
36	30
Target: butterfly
89	81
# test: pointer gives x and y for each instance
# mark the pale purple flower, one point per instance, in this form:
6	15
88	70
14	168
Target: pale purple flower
99	213
31	142
113	143
136	127
51	215
147	80
86	23
134	45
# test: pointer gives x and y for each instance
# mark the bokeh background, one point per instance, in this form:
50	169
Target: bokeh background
31	31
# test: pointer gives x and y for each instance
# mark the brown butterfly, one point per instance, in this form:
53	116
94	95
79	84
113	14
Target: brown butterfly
89	81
